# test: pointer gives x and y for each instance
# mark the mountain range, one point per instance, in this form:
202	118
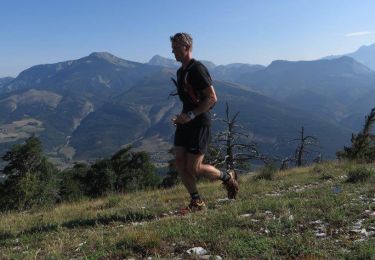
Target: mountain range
89	108
364	55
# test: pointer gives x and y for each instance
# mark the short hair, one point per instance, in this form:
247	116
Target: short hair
182	38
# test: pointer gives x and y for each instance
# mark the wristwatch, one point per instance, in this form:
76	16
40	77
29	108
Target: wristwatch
191	114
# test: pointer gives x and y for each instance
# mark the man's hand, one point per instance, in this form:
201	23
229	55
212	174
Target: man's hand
181	119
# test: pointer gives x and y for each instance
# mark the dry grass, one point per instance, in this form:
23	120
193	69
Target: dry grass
280	218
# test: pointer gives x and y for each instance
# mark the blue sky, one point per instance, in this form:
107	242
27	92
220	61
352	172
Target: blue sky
247	31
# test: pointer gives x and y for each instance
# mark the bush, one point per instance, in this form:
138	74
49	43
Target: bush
31	180
100	179
267	172
125	171
72	183
172	178
324	171
133	171
359	174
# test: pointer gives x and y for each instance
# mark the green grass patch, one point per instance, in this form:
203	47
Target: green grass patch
270	219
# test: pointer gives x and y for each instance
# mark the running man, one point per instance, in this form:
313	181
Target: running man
193	124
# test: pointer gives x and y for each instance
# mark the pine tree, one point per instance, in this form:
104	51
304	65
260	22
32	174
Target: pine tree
363	144
30	179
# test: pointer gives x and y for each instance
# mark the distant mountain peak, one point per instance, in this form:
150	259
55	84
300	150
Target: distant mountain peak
5	80
157	56
109	57
339	59
364	54
364	47
342	65
158	60
104	55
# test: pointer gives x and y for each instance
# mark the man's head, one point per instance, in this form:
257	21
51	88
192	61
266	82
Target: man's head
182	46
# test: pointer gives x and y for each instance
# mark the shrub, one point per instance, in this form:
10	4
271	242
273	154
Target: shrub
267	172
133	170
31	180
359	174
324	171
72	185
100	179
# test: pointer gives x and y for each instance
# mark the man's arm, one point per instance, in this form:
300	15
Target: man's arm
204	106
208	102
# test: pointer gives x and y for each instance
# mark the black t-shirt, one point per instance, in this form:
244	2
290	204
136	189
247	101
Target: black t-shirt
191	81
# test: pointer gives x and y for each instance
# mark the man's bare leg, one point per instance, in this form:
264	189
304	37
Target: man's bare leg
188	179
196	167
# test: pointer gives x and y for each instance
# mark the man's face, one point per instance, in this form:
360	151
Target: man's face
179	51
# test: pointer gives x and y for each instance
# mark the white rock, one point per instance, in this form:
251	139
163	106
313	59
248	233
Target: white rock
364	232
316	222
204	257
320	234
81	244
246	215
138	223
197	251
275	194
224	200
358	224
291	217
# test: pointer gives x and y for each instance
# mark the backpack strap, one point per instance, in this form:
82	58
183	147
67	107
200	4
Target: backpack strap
188	88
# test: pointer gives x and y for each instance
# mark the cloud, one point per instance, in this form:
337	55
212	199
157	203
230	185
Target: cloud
357	34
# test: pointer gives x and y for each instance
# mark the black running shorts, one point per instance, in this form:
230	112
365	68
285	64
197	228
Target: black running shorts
195	138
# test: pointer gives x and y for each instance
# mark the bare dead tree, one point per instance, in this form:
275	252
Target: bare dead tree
233	146
304	147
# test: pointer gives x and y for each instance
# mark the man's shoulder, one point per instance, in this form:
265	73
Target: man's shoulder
198	66
198	63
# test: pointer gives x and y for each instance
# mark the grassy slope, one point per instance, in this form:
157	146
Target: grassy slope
282	219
